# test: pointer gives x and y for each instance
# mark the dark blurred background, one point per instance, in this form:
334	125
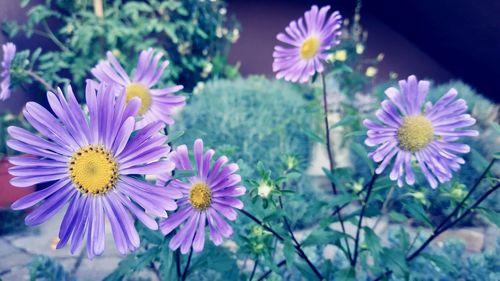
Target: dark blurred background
439	40
442	40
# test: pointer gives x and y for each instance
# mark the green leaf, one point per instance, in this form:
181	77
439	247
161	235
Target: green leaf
313	136
496	127
496	155
372	241
360	151
172	137
395	260
322	237
398	217
340	199
491	215
289	251
345	121
417	212
346	274
24	3
440	261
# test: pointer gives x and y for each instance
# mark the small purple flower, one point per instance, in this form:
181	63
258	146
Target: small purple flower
308	39
91	162
207	198
9	52
156	104
427	132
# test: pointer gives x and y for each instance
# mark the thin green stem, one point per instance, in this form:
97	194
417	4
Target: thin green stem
40	80
360	221
445	227
280	264
330	159
53	37
296	242
255	264
188	263
296	245
476	184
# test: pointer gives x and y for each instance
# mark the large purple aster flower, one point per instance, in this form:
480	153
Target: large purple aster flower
9	52
91	162
207	198
427	132
307	40
156	104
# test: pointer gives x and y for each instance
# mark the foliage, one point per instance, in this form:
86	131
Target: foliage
250	120
43	268
194	35
11	222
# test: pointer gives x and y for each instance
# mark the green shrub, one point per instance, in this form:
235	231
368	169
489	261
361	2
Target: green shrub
194	35
251	120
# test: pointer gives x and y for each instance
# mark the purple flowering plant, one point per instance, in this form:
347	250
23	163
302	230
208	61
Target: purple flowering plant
108	159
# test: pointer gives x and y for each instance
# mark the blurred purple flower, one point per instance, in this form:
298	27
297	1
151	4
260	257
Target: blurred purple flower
307	44
9	52
91	161
207	198
156	104
427	132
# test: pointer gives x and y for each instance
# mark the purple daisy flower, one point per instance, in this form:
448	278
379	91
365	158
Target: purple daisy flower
91	162
427	132
156	104
308	42
9	52
207	198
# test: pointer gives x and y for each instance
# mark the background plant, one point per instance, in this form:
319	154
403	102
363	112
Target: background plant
194	35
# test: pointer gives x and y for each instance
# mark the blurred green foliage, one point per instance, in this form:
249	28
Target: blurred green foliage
194	35
43	268
250	120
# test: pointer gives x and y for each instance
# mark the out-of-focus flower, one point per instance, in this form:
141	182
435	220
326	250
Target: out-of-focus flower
428	132
264	189
360	48
91	161
156	104
207	197
371	71
308	40
9	52
380	57
341	55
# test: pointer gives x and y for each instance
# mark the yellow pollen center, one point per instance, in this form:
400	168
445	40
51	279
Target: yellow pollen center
200	196
93	170
140	91
415	133
309	48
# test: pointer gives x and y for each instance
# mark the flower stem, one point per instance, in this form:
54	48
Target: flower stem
476	184
280	264
255	264
53	37
186	268
360	221
39	79
177	256
445	227
330	159
296	245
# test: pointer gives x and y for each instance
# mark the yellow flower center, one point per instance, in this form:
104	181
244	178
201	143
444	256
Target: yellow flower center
415	133
200	196
93	170
309	48
140	91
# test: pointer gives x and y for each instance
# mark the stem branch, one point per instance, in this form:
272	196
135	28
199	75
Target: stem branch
330	159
